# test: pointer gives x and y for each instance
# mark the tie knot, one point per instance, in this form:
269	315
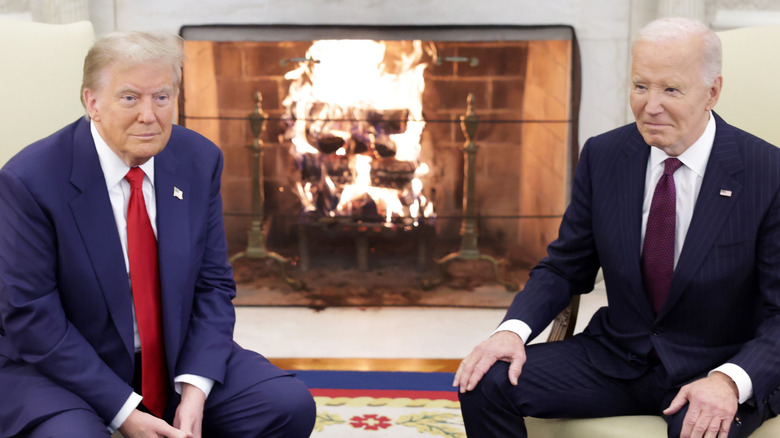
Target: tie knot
670	165
135	177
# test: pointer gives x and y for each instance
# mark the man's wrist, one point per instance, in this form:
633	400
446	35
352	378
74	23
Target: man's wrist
515	326
203	383
132	402
739	377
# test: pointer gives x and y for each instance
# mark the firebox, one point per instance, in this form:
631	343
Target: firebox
363	167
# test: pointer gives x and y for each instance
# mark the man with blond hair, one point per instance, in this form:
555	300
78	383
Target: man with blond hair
681	211
115	286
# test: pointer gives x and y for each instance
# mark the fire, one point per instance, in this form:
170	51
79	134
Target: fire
354	117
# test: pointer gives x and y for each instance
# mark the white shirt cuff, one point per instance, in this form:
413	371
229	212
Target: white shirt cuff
132	402
203	383
740	377
515	326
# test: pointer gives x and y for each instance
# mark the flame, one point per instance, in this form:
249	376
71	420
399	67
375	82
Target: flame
355	119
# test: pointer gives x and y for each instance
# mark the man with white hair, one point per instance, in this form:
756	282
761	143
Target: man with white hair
115	286
681	211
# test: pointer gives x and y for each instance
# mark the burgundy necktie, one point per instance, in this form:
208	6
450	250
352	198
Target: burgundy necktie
658	249
145	282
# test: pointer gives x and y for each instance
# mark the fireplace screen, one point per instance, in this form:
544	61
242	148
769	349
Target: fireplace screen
362	166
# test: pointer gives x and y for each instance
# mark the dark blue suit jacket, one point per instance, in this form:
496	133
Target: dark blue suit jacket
724	301
66	329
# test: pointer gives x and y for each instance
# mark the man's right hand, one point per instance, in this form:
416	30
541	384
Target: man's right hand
504	345
142	425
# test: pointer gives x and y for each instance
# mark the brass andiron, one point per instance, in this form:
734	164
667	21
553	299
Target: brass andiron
468	229
256	242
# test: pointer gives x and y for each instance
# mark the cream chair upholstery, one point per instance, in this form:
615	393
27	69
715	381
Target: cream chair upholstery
751	90
40	79
749	100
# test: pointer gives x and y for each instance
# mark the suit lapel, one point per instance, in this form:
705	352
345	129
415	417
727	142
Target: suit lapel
95	221
173	240
711	209
630	192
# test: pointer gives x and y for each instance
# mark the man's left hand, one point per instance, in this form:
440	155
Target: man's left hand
713	403
189	414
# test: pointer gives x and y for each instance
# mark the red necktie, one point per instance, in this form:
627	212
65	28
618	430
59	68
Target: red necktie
658	249
145	282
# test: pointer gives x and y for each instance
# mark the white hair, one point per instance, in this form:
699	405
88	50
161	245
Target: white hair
676	28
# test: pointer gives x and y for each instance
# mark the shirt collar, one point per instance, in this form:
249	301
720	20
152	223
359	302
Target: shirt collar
114	169
696	156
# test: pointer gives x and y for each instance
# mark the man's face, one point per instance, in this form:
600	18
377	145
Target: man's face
133	110
669	100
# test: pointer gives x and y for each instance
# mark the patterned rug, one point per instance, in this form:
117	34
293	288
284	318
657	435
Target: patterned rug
357	404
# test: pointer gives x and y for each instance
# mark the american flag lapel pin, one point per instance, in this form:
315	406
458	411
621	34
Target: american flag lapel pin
178	194
723	192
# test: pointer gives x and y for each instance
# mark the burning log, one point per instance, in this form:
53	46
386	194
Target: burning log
391	173
383	146
360	142
314	166
388	121
329	144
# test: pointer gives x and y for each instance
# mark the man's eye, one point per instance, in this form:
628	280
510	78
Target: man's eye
128	98
163	98
671	90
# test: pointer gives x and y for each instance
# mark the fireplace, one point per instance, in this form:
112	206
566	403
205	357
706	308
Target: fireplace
367	173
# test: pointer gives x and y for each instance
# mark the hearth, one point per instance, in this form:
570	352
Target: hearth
367	172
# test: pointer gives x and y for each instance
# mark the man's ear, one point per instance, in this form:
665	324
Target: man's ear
91	104
714	92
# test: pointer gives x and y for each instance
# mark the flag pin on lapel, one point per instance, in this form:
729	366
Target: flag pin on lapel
723	192
177	193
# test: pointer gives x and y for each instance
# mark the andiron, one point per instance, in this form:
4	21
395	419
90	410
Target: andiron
256	241
468	231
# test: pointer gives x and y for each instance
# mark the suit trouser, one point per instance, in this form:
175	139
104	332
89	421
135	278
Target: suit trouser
559	381
280	407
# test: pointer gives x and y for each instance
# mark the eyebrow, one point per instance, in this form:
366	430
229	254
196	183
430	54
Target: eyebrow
163	89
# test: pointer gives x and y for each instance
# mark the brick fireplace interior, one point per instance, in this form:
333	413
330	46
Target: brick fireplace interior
525	83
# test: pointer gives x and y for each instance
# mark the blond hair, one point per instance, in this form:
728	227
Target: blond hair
130	49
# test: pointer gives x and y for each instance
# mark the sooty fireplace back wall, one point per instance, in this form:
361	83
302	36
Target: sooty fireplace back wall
525	83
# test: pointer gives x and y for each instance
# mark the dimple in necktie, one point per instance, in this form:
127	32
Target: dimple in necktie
658	249
145	283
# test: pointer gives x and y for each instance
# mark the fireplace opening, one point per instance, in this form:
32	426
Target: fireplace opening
355	134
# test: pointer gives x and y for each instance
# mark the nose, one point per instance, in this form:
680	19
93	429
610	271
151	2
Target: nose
654	104
146	111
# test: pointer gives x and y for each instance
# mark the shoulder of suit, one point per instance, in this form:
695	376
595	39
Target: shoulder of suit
52	151
190	138
193	142
615	139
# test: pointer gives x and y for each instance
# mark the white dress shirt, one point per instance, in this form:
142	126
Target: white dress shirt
114	171
687	180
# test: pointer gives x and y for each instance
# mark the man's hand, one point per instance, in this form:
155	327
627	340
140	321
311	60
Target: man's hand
189	414
504	345
713	403
142	425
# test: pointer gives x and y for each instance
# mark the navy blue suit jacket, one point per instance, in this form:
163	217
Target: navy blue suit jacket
724	301
66	324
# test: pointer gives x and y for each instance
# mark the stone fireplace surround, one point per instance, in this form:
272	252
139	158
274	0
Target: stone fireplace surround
526	87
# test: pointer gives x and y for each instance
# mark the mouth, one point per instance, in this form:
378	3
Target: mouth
146	136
